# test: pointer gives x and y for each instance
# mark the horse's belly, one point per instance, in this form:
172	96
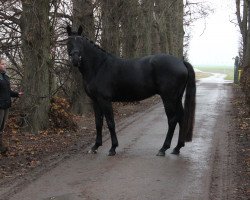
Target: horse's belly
132	94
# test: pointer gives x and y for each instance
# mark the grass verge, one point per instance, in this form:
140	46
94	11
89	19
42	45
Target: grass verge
229	71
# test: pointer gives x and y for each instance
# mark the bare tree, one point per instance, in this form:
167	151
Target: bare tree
168	27
110	21
248	36
193	11
242	22
10	37
147	20
35	34
129	28
175	28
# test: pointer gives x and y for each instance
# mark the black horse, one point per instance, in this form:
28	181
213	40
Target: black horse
108	79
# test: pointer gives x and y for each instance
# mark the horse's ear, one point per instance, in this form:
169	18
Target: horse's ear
68	30
80	29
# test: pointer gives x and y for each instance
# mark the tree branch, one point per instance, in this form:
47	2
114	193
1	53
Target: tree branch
11	18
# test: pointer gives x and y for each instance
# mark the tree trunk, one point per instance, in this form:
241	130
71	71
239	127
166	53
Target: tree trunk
246	70
36	60
130	30
248	37
110	26
82	15
156	29
146	17
242	21
161	14
169	25
177	28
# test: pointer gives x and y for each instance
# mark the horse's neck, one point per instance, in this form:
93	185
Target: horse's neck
93	59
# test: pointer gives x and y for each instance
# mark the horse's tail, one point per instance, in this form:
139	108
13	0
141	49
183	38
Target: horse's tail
189	104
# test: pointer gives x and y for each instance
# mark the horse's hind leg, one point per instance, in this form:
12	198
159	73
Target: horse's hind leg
181	139
99	124
172	110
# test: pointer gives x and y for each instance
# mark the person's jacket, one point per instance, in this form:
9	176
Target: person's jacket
5	92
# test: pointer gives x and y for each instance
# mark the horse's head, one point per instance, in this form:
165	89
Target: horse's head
74	45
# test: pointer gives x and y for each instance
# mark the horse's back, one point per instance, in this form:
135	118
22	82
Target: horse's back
168	64
137	79
148	65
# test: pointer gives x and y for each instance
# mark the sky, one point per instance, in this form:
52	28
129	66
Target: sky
217	44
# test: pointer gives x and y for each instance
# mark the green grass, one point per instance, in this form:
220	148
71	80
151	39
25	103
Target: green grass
229	71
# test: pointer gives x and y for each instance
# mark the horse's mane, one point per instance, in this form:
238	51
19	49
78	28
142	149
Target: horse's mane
96	45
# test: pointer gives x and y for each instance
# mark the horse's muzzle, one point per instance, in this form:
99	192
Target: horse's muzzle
75	60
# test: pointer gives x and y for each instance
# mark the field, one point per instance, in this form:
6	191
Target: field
207	70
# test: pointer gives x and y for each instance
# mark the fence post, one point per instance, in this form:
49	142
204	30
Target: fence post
236	70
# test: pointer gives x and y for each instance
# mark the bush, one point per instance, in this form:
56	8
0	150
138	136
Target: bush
60	115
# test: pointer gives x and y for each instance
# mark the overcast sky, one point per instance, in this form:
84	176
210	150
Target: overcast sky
220	40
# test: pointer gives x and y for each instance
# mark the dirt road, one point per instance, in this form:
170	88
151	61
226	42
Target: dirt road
136	172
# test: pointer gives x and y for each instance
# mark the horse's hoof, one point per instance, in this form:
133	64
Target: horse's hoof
160	153
91	151
111	153
175	152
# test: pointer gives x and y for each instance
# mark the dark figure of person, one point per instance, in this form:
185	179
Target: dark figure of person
5	100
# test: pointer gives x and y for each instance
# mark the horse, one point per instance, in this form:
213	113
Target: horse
108	79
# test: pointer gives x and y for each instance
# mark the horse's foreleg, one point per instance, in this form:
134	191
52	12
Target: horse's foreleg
108	113
111	126
99	124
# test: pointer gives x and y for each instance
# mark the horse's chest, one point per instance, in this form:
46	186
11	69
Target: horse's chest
94	91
